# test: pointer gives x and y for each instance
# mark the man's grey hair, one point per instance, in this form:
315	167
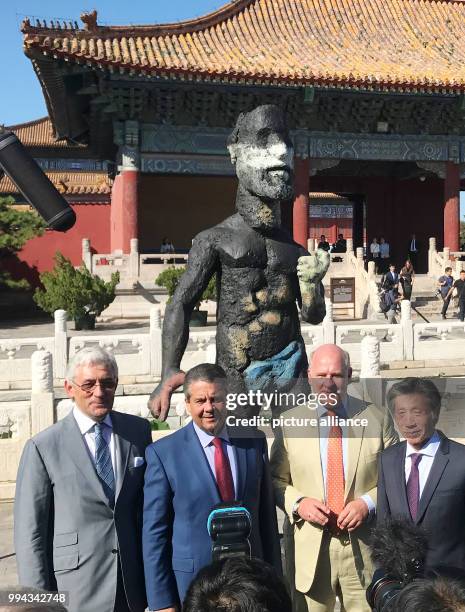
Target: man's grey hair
92	355
413	385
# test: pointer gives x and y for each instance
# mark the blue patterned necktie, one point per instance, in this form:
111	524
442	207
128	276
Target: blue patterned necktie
103	463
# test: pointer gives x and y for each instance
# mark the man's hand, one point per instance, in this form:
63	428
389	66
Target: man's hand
353	515
313	511
166	610
159	401
311	268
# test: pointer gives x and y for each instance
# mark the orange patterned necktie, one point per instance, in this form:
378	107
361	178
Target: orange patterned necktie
335	482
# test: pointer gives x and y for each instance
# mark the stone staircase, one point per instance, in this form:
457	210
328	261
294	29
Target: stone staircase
425	302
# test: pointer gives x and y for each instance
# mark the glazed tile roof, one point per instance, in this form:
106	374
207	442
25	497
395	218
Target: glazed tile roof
39	133
69	183
401	45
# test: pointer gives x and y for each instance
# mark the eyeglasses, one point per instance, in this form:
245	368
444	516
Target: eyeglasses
106	384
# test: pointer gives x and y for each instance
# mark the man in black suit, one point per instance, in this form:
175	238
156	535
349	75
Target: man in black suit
423	477
390	279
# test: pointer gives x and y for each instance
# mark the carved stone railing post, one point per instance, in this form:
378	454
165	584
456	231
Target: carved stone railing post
328	324
370	368
211	353
370	357
42	414
350	245
311	245
446	256
155	341
134	259
431	255
60	353
87	254
407	328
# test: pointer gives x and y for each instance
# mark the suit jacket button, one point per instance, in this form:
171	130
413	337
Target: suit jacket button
114	551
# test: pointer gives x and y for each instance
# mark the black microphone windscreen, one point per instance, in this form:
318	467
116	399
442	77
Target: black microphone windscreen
34	184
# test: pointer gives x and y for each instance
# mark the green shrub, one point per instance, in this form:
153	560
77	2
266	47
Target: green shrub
77	291
170	277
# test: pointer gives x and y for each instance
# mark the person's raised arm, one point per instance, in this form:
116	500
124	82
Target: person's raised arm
311	268
202	264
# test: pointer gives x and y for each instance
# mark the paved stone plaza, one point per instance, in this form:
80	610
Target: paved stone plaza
7	557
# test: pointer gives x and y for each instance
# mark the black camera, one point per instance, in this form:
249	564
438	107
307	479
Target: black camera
398	549
229	526
34	184
384	589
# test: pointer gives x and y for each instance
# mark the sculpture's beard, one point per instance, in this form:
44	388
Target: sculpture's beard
262	215
267	183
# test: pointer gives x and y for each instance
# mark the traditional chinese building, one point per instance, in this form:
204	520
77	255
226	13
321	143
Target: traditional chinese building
373	93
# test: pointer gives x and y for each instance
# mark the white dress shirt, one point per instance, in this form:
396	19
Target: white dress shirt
374	249
428	453
86	427
324	435
206	440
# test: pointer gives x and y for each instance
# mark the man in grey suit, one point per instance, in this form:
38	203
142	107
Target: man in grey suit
79	496
422	479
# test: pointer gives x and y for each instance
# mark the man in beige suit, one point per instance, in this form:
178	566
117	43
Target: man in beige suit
325	478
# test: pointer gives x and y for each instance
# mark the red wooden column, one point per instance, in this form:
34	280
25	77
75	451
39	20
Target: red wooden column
300	218
124	209
452	206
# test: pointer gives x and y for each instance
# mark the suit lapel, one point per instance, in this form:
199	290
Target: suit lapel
241	466
354	444
399	476
122	449
76	447
196	454
312	451
439	465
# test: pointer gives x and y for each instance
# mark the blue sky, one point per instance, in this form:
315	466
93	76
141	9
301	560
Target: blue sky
21	98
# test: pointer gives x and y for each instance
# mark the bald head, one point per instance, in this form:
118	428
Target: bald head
330	370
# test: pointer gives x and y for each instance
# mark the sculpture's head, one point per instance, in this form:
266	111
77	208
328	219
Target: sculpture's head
262	153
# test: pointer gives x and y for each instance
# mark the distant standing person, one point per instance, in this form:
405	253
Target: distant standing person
374	252
166	246
390	279
323	244
445	283
384	252
407	275
413	250
460	286
341	245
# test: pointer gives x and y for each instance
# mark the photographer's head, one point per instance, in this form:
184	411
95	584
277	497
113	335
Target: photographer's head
205	397
330	371
415	404
237	584
432	595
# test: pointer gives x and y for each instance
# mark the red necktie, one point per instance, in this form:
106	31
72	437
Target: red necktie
223	473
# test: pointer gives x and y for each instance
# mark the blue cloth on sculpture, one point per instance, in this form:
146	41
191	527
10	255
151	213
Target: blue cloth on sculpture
277	371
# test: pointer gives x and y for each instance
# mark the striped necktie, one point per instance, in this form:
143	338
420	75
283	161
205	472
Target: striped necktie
103	463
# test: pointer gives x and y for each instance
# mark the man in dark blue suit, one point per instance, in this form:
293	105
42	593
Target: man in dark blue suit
190	472
422	479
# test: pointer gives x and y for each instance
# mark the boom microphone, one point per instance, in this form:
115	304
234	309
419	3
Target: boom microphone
34	184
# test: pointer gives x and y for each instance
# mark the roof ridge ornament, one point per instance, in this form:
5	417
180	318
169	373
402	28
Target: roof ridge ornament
89	19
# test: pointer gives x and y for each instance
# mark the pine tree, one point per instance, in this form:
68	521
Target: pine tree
75	290
16	228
